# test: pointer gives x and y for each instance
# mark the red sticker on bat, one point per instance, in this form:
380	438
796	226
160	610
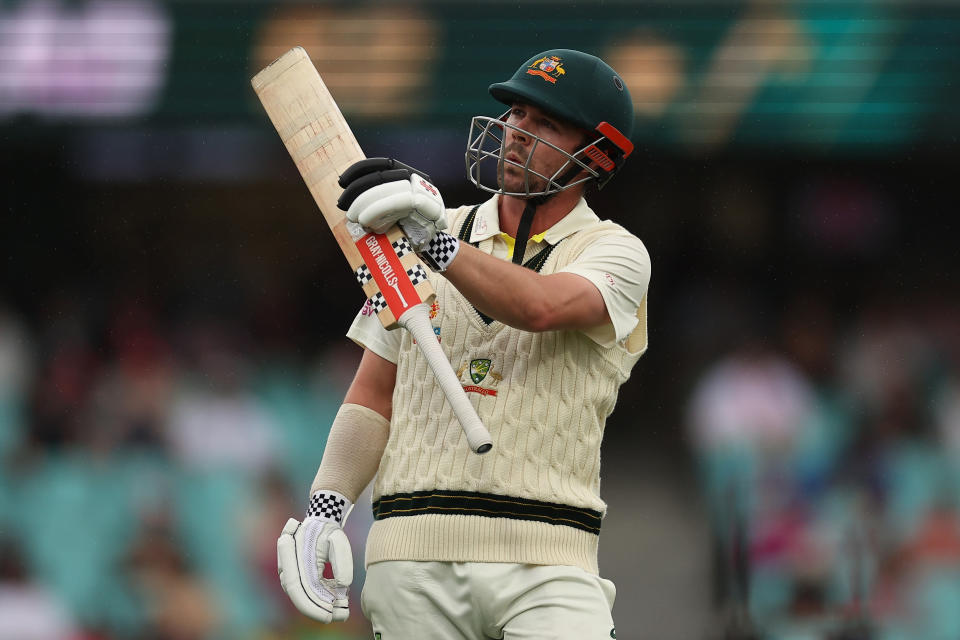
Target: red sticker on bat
390	276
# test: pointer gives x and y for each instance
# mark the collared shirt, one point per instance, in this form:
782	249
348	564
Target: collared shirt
618	266
486	226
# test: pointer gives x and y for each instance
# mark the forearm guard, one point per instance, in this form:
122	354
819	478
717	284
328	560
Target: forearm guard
357	439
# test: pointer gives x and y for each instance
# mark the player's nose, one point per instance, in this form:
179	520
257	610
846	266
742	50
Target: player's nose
517	134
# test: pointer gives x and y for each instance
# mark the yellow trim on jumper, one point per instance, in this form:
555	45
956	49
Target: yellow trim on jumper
511	241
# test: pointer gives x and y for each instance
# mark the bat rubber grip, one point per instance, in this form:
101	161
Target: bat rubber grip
416	320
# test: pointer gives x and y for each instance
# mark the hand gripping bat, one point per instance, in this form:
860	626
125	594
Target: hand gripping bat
393	278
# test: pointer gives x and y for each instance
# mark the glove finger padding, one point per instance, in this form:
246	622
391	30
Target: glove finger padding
374	165
340	557
370	172
291	578
380	207
302	551
364	183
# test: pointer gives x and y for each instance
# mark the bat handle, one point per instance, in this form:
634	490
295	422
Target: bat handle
416	320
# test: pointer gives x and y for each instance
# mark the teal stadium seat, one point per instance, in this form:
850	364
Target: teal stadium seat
75	518
209	505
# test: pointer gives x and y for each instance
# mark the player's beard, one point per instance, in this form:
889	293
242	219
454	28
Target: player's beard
516	174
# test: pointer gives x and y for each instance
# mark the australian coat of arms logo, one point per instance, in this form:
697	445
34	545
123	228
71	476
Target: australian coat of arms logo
479	371
549	68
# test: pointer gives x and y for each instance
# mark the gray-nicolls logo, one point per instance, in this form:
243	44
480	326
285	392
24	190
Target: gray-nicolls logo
386	269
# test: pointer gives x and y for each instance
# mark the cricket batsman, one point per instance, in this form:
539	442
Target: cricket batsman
541	309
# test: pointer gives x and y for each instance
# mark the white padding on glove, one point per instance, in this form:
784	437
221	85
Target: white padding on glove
302	551
415	204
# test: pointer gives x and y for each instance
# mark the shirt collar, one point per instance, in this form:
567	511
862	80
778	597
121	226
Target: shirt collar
487	222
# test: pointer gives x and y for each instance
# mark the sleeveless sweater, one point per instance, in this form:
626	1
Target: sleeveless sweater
544	397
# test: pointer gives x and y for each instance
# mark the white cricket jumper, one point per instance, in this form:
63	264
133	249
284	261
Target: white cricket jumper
545	397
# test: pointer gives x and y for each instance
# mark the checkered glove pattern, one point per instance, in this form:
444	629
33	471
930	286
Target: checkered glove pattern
441	251
305	548
328	505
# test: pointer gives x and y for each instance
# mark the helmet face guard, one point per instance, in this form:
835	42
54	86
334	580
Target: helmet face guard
577	88
485	143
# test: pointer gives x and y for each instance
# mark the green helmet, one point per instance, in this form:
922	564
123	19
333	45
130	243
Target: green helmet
575	86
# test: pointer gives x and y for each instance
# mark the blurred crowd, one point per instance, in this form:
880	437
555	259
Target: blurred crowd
147	468
829	458
146	471
802	331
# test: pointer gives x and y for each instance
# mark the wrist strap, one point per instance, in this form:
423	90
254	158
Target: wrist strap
329	505
441	251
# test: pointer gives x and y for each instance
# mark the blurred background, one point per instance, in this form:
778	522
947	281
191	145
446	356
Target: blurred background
783	461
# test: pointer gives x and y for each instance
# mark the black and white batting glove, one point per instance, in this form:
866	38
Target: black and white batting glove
305	548
380	192
440	251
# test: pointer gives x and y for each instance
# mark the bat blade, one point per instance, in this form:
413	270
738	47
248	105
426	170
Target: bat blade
310	124
322	146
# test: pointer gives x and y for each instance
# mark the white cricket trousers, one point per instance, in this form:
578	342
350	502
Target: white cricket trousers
407	600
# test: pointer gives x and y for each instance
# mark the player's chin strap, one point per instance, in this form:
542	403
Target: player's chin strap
443	248
530	212
523	229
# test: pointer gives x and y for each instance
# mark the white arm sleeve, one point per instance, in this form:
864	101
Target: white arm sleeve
354	448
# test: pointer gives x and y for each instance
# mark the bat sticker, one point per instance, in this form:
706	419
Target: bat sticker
384	265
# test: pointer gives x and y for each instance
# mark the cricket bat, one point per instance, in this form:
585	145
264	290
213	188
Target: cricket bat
393	278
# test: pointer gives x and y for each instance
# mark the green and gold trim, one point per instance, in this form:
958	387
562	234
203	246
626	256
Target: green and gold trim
486	505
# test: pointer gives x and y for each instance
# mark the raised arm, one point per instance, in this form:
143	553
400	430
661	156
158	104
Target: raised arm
509	293
523	298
